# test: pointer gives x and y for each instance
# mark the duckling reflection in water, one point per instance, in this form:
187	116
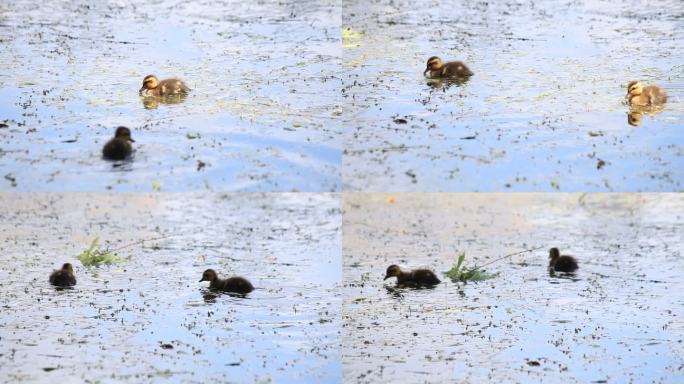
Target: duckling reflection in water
63	277
234	284
415	278
119	148
436	69
648	96
561	263
167	87
635	116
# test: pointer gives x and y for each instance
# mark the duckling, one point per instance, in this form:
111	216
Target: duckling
235	284
417	277
562	263
168	87
454	69
120	146
63	277
648	96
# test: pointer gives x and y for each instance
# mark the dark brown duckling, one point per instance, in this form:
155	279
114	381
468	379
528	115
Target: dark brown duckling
235	284
417	277
63	277
649	96
120	146
436	69
562	263
167	87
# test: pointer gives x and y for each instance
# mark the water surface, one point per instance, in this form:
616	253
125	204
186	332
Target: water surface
149	319
544	111
617	320
261	115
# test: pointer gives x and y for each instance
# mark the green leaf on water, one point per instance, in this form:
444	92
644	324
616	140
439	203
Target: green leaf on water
458	273
95	256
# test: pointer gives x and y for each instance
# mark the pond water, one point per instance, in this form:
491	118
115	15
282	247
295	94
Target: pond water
544	111
262	114
115	324
617	320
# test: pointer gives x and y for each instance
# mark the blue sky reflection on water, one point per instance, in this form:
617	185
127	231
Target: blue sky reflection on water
261	116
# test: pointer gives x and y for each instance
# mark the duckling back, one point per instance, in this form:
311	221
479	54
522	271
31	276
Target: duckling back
170	87
235	284
566	264
117	149
62	278
456	69
424	277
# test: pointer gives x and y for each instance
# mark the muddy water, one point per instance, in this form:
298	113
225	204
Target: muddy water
112	325
618	320
544	107
261	115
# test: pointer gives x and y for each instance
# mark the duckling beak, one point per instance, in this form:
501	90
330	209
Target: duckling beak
387	277
201	280
131	140
426	71
140	92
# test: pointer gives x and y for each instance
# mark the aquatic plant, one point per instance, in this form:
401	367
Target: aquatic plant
458	273
95	256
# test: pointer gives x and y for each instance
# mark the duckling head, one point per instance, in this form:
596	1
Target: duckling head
554	254
209	275
634	88
392	271
434	63
123	133
68	267
149	82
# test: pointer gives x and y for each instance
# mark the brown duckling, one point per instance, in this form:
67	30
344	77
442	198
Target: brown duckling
417	277
63	277
168	87
437	69
235	284
648	96
562	263
120	146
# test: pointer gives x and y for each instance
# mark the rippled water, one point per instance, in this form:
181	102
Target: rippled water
112	325
261	115
618	320
544	108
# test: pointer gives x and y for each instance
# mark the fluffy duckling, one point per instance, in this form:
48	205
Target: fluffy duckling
235	284
63	277
168	87
648	96
120	146
417	277
436	69
562	263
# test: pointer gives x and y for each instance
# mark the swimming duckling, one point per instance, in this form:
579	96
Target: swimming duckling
235	284
560	263
63	277
454	69
417	277
648	96
168	87
120	146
